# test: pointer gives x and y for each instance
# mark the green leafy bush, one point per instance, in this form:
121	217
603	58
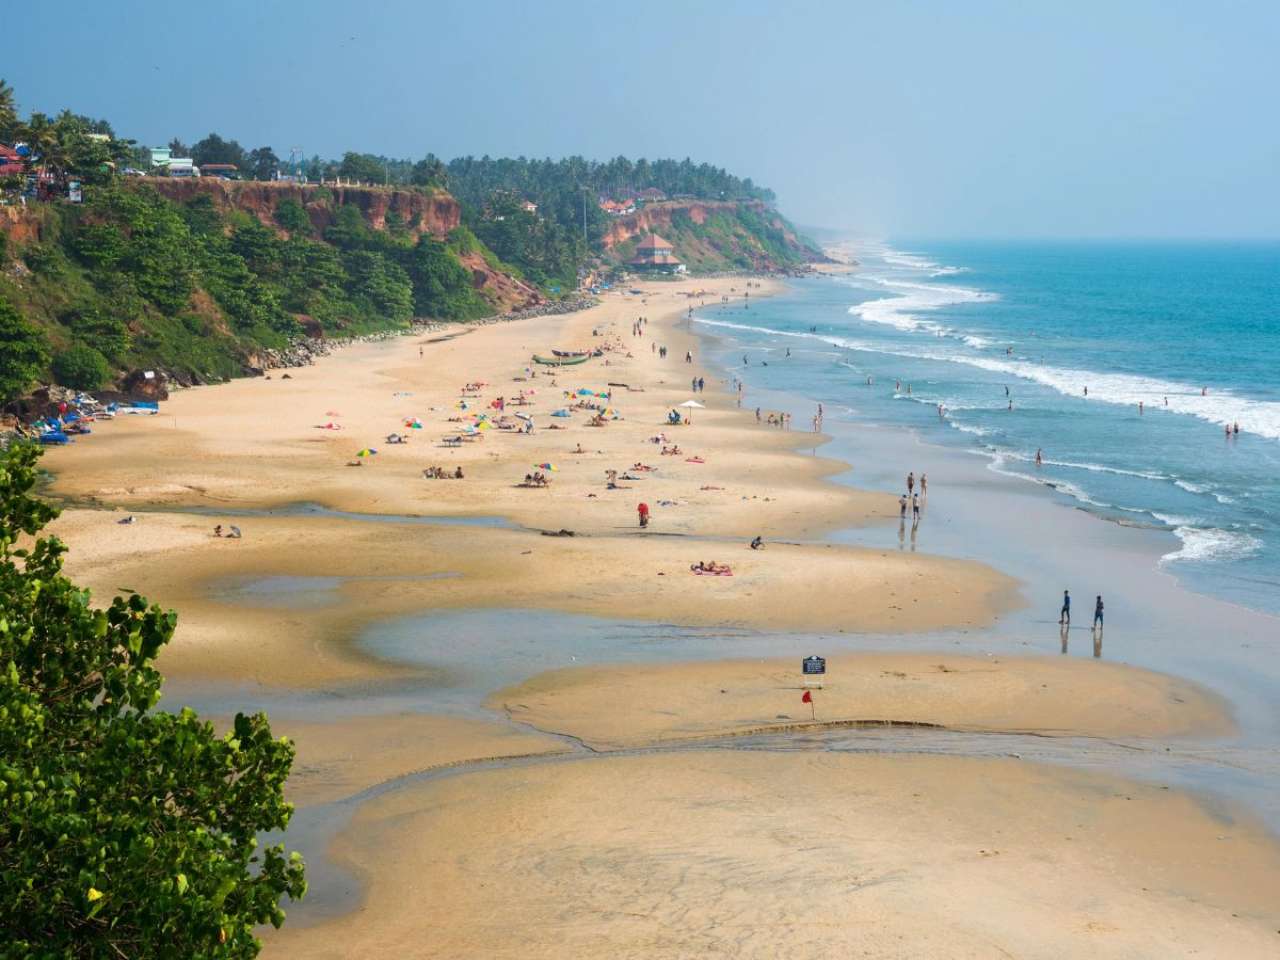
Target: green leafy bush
126	832
23	353
81	367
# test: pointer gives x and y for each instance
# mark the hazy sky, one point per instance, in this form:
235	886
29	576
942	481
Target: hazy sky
1121	118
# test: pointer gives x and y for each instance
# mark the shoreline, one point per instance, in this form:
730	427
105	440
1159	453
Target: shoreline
285	616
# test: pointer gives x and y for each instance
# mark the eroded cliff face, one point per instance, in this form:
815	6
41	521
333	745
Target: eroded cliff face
656	217
420	212
22	225
711	235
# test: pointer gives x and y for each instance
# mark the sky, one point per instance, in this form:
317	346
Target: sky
1125	118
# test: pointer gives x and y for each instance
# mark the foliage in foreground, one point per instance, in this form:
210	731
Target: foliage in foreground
124	832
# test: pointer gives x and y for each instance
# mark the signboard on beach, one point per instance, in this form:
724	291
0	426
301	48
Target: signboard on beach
813	665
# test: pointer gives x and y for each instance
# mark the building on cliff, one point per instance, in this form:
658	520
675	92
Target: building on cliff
654	253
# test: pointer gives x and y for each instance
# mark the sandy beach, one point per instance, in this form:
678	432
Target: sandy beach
611	707
811	855
692	850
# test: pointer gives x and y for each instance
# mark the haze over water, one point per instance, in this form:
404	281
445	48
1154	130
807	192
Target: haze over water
1149	323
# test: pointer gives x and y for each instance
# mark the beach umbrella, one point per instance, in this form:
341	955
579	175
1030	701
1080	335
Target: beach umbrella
584	392
560	413
692	405
367	452
524	416
547	466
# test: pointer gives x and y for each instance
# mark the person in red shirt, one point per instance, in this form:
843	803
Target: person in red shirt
643	510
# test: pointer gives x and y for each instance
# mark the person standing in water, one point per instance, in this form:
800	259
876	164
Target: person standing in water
915	508
911	481
1064	615
924	485
1039	457
1097	613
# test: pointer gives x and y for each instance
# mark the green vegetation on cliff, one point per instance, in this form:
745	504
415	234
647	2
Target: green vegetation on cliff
131	278
718	237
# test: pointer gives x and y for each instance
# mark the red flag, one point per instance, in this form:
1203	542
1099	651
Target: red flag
807	698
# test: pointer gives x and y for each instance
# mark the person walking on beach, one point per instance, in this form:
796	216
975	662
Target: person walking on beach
702	385
1097	613
688	356
902	507
924	485
643	511
911	481
915	508
1064	615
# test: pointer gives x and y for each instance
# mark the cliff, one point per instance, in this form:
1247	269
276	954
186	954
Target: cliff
712	236
419	210
201	278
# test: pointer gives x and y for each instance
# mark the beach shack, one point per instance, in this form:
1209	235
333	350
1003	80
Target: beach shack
656	255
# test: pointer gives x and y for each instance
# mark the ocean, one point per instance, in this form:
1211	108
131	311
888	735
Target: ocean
1174	343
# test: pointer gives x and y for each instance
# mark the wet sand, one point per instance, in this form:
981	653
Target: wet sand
611	707
339	760
731	854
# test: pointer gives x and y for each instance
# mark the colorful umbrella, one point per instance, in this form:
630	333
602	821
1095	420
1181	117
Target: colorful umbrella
547	466
367	452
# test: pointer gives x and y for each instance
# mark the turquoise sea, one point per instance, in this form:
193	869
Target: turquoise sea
1174	342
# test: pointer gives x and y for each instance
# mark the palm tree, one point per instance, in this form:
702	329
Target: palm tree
42	137
8	111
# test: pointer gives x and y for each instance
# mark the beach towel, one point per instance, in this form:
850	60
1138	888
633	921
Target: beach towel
694	460
713	573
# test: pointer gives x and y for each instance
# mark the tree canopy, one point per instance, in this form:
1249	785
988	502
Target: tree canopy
23	353
125	831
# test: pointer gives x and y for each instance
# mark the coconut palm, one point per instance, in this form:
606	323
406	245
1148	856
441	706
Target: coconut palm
8	111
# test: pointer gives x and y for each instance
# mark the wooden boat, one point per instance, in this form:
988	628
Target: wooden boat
558	361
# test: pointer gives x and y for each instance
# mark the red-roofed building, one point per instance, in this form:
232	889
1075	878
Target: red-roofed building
10	162
654	253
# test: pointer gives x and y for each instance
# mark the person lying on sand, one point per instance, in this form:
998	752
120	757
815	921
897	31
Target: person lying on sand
673	451
710	566
640	466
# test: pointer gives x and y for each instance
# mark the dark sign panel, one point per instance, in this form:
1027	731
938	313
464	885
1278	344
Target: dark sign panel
812	665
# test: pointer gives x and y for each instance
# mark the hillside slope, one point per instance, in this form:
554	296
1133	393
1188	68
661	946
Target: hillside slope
714	236
197	277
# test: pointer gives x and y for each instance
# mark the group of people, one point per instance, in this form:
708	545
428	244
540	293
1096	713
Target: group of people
442	473
912	499
1064	615
711	566
780	420
536	479
698	385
